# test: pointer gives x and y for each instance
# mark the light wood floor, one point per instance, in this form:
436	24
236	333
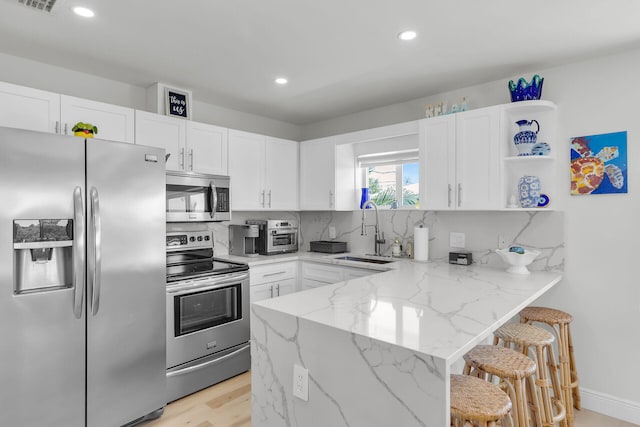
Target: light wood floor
228	404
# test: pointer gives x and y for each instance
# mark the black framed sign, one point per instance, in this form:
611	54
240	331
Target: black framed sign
176	103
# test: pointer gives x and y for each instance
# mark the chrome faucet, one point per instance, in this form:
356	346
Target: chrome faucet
379	236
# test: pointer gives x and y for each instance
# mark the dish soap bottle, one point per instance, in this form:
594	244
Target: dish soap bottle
395	247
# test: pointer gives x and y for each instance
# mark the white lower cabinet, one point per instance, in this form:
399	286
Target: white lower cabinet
272	280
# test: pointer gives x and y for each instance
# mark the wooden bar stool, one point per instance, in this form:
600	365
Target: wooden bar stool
524	338
515	371
559	322
478	402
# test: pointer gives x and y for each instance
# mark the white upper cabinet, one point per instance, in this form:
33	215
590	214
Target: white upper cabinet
327	175
246	169
264	172
461	161
206	148
166	132
281	175
32	109
114	123
191	146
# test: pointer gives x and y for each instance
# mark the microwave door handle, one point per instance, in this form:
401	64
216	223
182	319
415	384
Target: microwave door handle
78	253
214	199
96	266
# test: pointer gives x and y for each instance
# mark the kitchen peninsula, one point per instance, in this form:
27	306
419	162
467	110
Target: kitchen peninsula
379	349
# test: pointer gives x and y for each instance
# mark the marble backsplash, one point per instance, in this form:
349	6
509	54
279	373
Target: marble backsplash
542	230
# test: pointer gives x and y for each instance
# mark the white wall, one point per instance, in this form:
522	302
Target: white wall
42	76
601	233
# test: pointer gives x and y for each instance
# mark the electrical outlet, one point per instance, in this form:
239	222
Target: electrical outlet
301	382
332	232
456	240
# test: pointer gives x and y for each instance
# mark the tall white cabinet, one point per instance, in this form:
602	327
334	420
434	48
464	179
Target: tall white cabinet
264	172
460	161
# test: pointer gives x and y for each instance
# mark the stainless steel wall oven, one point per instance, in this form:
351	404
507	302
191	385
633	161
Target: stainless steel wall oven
207	315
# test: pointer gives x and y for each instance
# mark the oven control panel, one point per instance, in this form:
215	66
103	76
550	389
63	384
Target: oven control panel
189	240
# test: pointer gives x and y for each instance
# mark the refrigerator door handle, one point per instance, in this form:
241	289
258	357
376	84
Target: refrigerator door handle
78	252
95	268
214	199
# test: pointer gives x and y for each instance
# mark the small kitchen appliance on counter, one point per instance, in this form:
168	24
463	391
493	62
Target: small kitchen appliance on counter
207	332
461	258
243	239
276	236
328	246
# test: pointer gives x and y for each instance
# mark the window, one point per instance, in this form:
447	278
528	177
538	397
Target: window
393	178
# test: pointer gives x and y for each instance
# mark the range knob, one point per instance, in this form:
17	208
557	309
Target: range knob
192	239
199	238
207	238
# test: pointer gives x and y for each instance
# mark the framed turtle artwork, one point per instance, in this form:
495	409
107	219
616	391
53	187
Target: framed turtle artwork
599	164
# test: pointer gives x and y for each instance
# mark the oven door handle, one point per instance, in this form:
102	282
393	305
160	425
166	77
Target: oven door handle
207	363
208	285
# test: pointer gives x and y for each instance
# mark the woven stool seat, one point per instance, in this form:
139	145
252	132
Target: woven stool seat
473	399
545	315
524	335
500	361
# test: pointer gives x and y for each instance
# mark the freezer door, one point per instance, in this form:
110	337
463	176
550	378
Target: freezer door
126	349
42	324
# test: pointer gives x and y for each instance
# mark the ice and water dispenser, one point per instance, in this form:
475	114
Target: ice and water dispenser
42	254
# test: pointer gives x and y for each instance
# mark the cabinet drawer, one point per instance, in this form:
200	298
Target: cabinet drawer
322	272
272	272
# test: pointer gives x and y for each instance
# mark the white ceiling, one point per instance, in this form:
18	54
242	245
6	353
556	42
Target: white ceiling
341	56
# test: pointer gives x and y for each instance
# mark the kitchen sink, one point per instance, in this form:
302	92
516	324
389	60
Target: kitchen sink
360	259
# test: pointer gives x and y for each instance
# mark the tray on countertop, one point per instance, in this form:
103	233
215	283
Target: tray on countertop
328	246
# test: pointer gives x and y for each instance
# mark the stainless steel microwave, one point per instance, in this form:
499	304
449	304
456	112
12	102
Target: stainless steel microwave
193	197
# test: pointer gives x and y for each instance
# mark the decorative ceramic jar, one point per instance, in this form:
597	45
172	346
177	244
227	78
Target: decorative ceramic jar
529	191
526	138
523	91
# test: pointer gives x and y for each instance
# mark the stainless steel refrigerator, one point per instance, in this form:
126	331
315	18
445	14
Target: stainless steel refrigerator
82	281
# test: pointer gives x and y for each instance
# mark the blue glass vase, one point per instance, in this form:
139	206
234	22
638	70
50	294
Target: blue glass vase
365	196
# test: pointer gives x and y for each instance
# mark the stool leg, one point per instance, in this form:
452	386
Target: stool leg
555	384
565	372
543	384
574	373
521	403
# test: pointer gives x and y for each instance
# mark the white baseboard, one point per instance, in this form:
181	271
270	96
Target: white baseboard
611	406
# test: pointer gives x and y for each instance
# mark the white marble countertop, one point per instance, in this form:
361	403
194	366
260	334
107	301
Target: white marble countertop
434	308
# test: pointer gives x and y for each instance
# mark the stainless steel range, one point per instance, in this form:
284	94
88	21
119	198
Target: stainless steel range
207	315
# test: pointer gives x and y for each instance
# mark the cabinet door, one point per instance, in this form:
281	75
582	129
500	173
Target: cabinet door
114	123
246	168
207	147
326	273
32	109
310	284
284	287
166	132
354	273
281	178
437	160
478	159
260	292
317	174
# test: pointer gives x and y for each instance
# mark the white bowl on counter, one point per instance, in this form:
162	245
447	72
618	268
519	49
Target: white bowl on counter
518	262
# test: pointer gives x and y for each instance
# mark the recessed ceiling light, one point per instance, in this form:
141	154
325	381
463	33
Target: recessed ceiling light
282	81
84	12
407	35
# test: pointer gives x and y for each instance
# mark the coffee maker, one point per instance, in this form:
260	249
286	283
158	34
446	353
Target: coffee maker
243	239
